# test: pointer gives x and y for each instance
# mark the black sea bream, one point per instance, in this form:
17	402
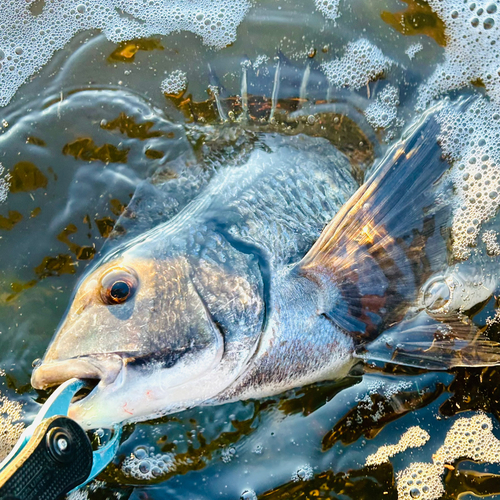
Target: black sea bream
245	293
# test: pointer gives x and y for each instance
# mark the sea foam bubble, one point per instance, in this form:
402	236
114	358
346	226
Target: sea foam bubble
469	438
28	40
383	112
329	8
361	63
144	464
174	83
469	138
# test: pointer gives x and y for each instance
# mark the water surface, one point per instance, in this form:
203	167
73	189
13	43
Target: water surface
93	123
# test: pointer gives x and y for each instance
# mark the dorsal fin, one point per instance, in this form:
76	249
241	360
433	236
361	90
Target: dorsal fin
368	249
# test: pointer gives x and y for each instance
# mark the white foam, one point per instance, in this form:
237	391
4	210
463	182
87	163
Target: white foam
78	495
303	473
83	493
175	83
4	184
361	63
228	454
145	464
260	60
470	438
413	49
27	41
414	437
490	238
472	49
329	8
11	425
470	139
248	494
383	112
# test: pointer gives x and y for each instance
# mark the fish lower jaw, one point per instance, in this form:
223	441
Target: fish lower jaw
135	397
105	409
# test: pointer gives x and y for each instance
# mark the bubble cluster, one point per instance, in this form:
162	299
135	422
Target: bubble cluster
383	388
361	63
413	49
471	57
82	493
145	464
228	454
490	239
490	321
376	406
303	473
470	140
414	437
329	8
248	494
366	401
28	41
393	389
175	83
421	480
4	184
472	30
470	438
383	112
260	60
10	426
258	449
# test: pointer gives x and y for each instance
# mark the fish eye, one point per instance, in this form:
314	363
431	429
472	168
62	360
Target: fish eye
118	286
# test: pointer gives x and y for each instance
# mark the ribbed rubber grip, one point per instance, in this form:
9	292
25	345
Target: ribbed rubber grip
56	459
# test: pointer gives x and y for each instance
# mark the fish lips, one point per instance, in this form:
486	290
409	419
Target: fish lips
105	368
133	387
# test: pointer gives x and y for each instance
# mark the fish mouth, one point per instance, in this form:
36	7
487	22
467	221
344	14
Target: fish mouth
101	369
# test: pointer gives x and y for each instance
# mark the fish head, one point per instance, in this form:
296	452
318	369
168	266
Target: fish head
149	330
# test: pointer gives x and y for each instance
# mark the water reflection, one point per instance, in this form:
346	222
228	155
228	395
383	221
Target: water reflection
94	124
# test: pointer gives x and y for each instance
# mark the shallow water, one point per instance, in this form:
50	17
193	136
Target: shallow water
90	125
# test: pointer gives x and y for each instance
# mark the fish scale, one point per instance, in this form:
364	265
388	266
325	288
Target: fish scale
285	198
270	277
208	297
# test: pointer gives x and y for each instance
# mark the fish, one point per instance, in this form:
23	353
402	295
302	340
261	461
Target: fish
277	271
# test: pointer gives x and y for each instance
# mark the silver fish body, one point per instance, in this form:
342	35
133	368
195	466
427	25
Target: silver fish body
270	277
219	311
